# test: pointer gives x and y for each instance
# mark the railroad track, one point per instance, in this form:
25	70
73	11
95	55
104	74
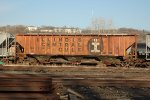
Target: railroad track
56	68
36	76
41	86
83	81
96	76
25	87
103	81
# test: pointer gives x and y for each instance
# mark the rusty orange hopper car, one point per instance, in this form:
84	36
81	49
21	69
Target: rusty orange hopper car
67	48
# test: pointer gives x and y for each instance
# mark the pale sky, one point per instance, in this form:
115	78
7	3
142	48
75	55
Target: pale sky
75	13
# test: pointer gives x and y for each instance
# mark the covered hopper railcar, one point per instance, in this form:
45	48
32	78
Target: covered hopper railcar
50	46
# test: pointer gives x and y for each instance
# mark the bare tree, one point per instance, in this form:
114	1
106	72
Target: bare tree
100	25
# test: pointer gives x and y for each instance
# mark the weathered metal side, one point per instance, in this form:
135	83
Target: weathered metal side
78	45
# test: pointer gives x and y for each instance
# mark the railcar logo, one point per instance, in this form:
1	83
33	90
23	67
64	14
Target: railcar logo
95	45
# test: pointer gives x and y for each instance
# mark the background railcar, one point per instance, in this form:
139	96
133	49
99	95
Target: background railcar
147	47
6	41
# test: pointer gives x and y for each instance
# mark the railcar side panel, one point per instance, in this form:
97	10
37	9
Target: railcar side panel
77	45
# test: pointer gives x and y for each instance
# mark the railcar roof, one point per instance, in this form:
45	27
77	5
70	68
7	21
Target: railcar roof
41	34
